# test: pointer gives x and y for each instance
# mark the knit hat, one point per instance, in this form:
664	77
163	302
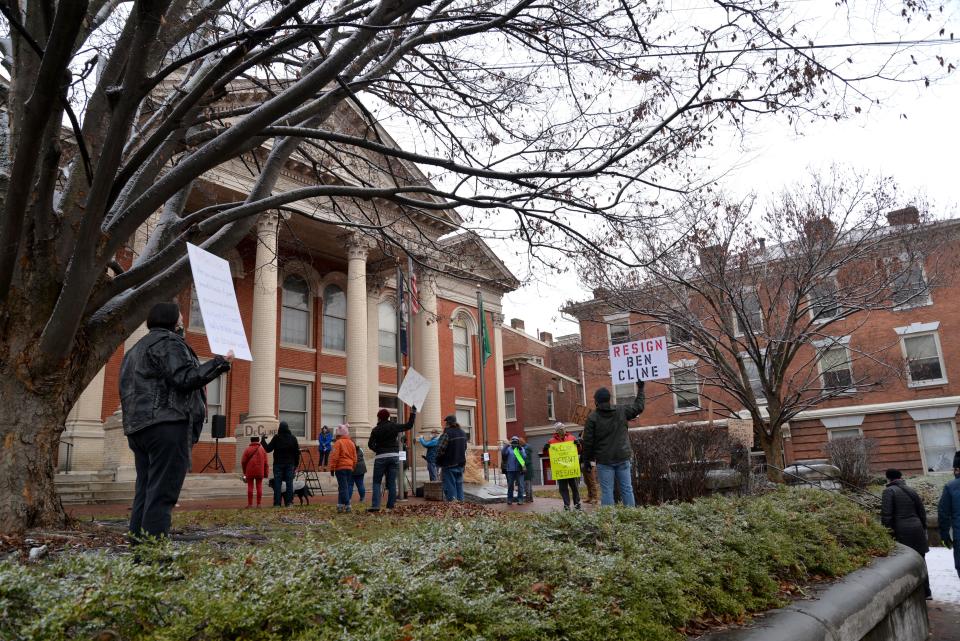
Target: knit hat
602	395
893	474
163	316
343	430
450	420
514	439
558	427
254	439
283	427
383	414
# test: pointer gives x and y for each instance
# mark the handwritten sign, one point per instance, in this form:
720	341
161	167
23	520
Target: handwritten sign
642	360
413	391
741	430
218	303
564	461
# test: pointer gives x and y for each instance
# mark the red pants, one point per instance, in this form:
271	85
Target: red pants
250	483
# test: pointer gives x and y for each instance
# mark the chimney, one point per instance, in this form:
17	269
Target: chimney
902	217
711	256
599	293
546	337
516	324
819	228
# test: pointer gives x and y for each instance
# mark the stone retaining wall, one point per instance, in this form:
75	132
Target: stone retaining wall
881	602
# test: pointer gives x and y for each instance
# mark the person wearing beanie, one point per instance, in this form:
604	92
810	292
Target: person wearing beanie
256	467
514	465
164	409
343	458
452	458
286	457
325	444
568	487
606	443
385	445
902	513
430	445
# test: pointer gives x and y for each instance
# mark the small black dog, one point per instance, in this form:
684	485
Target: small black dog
300	490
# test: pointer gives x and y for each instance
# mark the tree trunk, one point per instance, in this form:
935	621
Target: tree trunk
30	428
771	440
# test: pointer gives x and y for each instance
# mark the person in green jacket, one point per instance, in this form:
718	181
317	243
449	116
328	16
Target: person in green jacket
605	442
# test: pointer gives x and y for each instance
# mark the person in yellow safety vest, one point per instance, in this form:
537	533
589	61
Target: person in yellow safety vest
514	466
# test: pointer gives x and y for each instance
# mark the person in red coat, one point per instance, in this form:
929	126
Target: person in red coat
566	486
255	469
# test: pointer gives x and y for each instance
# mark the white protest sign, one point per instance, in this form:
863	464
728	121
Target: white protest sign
641	360
218	303
413	391
403	455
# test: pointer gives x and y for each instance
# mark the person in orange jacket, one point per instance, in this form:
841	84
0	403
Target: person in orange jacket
343	458
256	467
566	486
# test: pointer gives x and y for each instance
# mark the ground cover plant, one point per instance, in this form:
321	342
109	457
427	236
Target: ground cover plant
636	574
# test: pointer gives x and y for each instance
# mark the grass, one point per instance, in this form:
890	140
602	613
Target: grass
634	574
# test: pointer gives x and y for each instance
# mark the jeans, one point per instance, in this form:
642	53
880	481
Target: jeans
619	473
357	481
567	487
432	469
388	466
453	483
283	474
344	487
514	479
161	454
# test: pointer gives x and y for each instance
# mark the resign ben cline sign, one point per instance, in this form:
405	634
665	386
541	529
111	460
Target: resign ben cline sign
641	360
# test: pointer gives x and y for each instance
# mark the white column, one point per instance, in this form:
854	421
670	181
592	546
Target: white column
498	364
428	352
263	369
373	352
357	378
84	430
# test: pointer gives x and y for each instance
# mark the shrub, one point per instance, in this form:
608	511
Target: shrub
672	463
852	456
632	574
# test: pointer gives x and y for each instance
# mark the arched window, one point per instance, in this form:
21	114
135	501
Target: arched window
388	332
295	315
334	318
462	361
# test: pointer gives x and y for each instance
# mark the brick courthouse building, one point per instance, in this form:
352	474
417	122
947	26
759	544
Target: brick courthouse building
912	418
318	305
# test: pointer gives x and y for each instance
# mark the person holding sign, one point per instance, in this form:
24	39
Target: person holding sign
514	466
605	442
164	407
385	446
564	464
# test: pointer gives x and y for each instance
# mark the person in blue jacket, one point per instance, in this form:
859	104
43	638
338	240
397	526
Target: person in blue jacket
948	513
431	447
325	440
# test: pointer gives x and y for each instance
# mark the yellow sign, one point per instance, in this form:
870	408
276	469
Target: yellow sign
564	461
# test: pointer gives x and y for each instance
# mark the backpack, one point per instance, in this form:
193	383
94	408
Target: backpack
442	445
361	466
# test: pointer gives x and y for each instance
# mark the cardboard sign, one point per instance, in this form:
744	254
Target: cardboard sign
413	391
218	303
564	461
642	360
741	430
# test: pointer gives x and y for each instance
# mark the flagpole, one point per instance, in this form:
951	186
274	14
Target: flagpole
483	384
413	432
400	412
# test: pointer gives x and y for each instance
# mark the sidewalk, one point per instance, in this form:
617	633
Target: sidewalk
944	621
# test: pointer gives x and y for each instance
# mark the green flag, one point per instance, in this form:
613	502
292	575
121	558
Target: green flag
485	350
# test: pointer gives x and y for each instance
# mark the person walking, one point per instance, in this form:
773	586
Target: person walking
359	472
606	443
324	445
431	452
948	515
286	456
528	474
384	444
902	513
514	466
568	487
256	467
164	408
452	458
343	460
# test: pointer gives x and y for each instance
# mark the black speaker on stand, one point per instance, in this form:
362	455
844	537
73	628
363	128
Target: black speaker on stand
218	429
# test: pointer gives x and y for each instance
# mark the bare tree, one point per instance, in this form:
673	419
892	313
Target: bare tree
767	308
115	109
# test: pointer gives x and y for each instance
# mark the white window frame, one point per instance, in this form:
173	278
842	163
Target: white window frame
684	366
826	345
205	432
670	338
923	453
323	324
903	259
472	412
617	400
918	330
551	406
622	320
747	361
834	432
381	332
309	310
323	413
460	322
307	424
737	330
510	406
813	302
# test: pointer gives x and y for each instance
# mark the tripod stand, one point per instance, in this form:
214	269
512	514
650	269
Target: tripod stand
215	463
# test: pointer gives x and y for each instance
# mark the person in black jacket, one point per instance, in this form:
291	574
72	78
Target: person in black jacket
902	512
606	443
164	407
452	458
385	446
286	457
